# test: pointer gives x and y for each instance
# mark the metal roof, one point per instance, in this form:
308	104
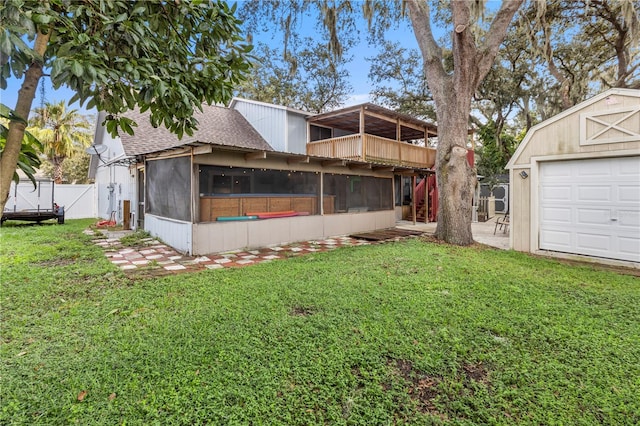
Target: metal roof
378	121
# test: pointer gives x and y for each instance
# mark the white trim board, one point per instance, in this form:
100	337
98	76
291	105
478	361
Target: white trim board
632	135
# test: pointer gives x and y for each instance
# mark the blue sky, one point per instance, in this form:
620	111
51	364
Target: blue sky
358	67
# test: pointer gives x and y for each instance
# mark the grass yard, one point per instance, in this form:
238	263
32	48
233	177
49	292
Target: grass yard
400	333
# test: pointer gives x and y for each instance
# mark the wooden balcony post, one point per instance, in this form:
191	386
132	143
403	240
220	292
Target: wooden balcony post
426	198
361	130
413	197
321	189
398	139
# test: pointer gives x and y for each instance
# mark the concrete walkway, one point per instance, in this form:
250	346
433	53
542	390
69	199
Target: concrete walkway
151	257
482	232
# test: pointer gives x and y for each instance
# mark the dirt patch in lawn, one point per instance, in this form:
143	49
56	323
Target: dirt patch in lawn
302	311
422	387
57	262
475	372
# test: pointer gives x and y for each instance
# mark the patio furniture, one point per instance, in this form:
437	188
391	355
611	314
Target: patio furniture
502	223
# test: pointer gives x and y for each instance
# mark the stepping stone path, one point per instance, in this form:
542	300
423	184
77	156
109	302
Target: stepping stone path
153	258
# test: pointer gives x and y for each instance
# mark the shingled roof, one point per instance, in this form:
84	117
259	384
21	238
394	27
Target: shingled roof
216	126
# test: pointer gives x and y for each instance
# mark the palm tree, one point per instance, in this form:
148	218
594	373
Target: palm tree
62	133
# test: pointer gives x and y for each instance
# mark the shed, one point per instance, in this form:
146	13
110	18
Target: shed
575	182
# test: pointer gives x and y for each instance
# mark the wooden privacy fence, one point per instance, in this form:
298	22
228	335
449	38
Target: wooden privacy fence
486	208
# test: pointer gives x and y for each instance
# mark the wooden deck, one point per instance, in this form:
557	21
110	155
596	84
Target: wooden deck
386	234
374	149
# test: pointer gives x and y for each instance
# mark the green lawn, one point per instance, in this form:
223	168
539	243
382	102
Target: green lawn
400	333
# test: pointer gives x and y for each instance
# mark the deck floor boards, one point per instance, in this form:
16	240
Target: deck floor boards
385	234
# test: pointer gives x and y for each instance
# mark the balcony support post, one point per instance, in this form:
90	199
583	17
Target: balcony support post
398	139
362	137
426	198
413	197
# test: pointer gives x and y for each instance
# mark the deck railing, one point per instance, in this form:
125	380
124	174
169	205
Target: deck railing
374	149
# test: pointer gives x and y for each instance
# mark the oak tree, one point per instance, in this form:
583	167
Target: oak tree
473	54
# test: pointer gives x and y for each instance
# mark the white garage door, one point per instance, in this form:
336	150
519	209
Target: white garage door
591	207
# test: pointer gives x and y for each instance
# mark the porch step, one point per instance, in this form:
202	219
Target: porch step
385	234
420	212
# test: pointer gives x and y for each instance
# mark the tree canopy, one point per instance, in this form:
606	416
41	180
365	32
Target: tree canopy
473	53
306	77
63	133
165	57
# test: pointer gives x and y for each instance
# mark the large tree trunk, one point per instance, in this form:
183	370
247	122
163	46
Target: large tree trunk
27	93
456	178
452	94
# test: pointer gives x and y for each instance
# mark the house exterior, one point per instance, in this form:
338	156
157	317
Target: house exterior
575	182
115	180
227	187
284	128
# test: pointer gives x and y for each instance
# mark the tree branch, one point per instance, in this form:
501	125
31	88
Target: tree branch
420	16
495	36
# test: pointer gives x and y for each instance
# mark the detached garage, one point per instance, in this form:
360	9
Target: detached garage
575	182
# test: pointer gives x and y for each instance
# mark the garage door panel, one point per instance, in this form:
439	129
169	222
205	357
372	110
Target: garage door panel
556	238
555	170
591	207
629	193
557	215
552	193
594	193
593	216
628	167
596	170
629	248
593	242
629	218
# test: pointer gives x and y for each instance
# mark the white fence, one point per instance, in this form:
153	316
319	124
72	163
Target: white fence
78	200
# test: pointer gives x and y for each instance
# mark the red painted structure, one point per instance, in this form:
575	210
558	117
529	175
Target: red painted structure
432	191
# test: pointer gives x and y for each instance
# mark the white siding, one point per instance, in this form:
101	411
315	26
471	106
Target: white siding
115	183
114	145
223	236
297	133
175	233
270	122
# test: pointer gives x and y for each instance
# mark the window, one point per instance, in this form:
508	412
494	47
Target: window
217	180
351	193
317	133
169	188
